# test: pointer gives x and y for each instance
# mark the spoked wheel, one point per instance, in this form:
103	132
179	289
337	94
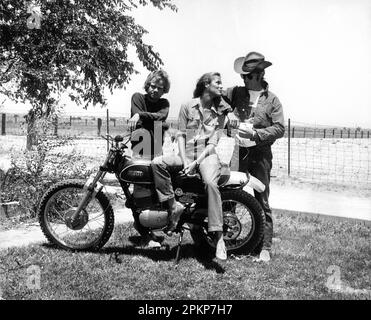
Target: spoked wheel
90	231
243	226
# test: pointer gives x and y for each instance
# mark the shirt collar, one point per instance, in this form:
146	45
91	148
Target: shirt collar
220	109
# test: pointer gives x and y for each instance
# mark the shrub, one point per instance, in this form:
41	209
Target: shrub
33	171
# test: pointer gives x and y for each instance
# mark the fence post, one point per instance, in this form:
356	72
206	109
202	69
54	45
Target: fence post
324	133
3	122
355	134
368	134
288	149
99	125
361	134
333	133
341	133
70	121
348	133
304	133
107	128
293	132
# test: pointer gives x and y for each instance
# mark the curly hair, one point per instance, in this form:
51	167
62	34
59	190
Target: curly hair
202	82
156	76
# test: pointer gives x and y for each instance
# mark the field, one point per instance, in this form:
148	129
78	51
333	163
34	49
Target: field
330	163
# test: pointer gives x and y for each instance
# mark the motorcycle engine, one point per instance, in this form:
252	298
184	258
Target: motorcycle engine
153	218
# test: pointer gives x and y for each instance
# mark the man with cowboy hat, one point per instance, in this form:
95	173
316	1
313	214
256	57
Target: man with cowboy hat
261	122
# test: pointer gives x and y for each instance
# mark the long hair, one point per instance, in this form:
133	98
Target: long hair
156	76
202	82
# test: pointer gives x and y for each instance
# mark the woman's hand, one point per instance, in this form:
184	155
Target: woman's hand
234	122
188	169
133	121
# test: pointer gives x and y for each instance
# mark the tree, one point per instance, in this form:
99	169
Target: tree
74	46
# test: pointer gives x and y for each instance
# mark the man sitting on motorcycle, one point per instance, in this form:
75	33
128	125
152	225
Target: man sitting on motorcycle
146	109
201	121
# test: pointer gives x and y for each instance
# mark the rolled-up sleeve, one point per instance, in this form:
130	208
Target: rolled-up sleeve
182	121
214	139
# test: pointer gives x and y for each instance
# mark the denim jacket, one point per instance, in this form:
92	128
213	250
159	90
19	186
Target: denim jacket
267	118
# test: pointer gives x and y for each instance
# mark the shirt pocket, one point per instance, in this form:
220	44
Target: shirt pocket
261	119
194	121
212	122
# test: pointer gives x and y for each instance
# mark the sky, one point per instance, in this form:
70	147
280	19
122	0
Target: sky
320	50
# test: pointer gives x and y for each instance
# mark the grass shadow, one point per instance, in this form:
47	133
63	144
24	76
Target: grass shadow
166	253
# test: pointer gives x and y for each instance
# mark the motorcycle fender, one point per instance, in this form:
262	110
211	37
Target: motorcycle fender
97	188
255	183
240	179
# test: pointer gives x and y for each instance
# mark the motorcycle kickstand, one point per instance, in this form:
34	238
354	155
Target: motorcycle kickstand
177	258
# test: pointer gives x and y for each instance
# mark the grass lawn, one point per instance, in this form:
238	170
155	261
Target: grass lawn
311	255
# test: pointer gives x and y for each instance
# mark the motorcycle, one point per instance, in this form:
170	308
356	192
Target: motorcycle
77	215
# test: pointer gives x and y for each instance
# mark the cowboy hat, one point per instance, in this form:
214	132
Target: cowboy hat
253	61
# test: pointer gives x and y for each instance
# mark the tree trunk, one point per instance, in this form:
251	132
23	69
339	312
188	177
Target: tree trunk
31	129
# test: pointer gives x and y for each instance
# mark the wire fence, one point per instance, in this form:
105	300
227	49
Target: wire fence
312	153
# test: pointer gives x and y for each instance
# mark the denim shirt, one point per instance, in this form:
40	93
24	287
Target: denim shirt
201	126
267	118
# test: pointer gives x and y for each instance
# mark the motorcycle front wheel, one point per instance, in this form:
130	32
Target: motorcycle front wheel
93	227
243	224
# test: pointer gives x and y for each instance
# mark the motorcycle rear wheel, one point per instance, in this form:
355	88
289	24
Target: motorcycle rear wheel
95	224
244	221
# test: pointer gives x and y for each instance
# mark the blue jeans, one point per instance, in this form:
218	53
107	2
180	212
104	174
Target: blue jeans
164	166
258	162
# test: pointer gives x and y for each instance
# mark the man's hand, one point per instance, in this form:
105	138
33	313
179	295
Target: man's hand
246	133
133	121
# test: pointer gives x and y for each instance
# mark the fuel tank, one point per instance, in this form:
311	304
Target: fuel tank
136	171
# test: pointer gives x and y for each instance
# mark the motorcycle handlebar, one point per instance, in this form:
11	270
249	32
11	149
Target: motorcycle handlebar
116	139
